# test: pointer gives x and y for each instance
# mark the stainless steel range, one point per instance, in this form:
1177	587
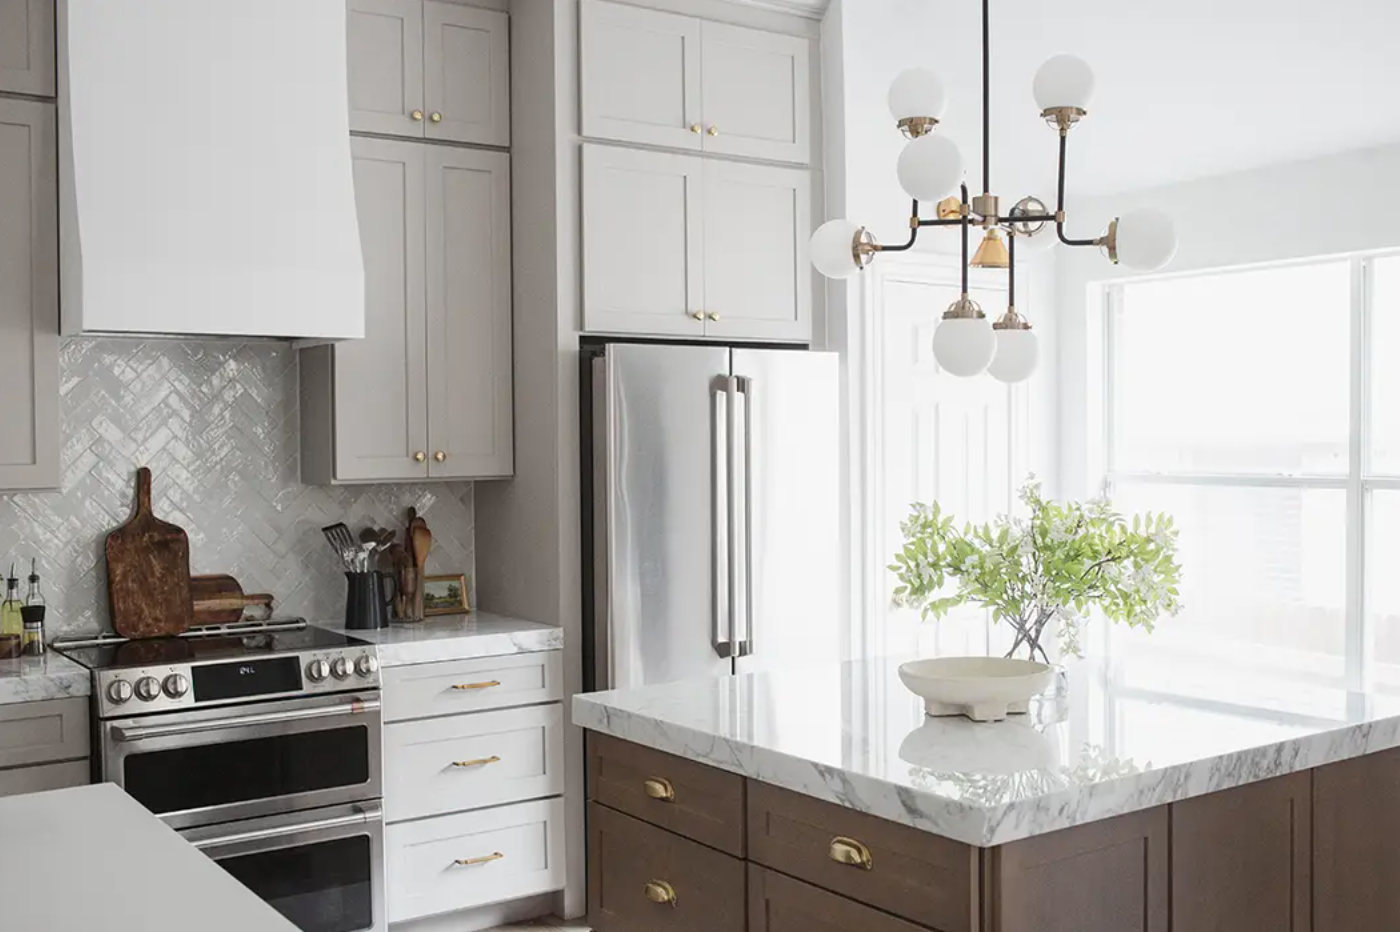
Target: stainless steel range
261	744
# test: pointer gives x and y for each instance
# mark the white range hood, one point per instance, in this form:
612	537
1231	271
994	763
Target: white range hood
205	171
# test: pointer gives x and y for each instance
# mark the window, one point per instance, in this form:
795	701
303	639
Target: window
1261	408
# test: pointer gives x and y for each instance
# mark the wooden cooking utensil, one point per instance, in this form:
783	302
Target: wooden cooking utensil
148	572
219	600
422	543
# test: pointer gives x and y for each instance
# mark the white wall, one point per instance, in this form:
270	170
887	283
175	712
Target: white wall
1339	204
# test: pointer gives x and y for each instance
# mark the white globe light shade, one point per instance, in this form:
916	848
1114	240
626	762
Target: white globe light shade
833	249
964	346
930	167
1146	240
1064	81
918	92
1018	352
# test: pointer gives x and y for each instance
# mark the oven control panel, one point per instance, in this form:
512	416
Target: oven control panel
169	687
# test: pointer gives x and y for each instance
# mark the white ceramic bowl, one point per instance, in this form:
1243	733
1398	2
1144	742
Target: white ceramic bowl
985	689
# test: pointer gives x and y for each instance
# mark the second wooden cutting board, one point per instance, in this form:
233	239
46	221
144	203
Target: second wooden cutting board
148	572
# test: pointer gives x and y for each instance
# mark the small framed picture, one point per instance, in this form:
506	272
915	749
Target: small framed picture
445	595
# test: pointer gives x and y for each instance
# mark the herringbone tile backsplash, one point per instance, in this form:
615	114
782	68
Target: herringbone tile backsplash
217	424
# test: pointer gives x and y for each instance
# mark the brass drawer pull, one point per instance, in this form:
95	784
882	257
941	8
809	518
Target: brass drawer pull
659	788
487	685
851	852
485	859
479	762
659	891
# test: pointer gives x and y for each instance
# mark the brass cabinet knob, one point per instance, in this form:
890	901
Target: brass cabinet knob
435	117
659	891
695	128
713	316
714	130
850	852
660	788
698	315
420	457
417	116
440	456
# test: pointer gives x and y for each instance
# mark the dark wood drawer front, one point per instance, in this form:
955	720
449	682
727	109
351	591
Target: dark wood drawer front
645	879
922	877
780	904
690	799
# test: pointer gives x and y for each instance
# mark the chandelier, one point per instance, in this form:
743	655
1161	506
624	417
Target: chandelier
930	169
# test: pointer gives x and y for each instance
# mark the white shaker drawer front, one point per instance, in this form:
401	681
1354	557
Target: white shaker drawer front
445	765
457	686
459	861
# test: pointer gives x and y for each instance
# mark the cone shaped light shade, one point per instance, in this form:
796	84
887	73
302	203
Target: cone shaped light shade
992	253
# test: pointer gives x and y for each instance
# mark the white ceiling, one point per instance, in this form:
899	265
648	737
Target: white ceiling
1186	88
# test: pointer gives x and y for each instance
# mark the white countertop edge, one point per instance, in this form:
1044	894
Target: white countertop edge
457	637
997	825
37	679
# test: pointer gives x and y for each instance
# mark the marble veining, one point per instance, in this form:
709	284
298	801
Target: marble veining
458	637
32	679
1123	740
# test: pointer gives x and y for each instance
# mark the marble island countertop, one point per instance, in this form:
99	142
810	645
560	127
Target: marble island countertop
1123	740
458	637
33	679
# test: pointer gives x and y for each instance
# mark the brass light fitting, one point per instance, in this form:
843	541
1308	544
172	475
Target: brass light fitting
1062	118
992	254
964	309
864	247
1011	321
914	127
950	208
1109	242
986	206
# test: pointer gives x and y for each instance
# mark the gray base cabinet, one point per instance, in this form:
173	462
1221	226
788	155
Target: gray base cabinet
43	746
29	439
27	47
427	393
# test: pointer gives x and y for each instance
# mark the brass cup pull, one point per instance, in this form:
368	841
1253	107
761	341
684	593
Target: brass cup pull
659	891
435	117
420	457
440	457
417	116
660	788
484	859
714	130
486	685
851	852
479	762
695	128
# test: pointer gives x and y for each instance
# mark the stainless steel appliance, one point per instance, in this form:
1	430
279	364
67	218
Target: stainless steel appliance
261	743
714	524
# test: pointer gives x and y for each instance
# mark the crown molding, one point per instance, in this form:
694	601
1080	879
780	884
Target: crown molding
808	9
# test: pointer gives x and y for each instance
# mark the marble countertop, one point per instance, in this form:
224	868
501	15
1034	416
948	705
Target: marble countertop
52	676
458	637
54	877
1126	738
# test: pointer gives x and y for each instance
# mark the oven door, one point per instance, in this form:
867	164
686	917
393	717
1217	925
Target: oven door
323	870
219	765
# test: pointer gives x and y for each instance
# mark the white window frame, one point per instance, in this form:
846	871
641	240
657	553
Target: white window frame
1358	482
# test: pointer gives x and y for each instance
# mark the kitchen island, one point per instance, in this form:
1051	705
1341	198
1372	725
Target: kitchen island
91	857
1151	799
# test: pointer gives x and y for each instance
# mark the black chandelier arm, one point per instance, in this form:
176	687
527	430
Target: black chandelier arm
1011	269
1060	200
914	224
966	224
986	99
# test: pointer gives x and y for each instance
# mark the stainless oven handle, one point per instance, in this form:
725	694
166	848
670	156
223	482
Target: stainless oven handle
368	813
141	732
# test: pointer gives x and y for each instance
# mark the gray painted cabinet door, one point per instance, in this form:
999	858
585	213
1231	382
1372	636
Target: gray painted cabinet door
29	435
381	426
466	74
757	91
470	412
27	47
385	52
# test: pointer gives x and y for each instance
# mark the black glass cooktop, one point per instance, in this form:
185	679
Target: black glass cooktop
221	644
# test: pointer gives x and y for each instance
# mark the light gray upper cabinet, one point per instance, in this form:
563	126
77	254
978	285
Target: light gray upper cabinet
668	80
429	69
677	245
29	436
427	392
27	47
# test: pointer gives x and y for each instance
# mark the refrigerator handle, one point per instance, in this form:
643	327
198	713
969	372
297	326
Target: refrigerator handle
721	497
746	639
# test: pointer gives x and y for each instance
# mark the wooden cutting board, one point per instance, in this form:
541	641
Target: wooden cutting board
219	599
148	572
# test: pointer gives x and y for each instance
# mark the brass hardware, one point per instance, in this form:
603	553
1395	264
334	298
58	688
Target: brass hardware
659	891
435	117
479	762
713	316
660	788
1059	216
487	685
1011	321
986	206
440	456
485	859
914	127
1109	241
951	208
864	247
1032	206
695	128
698	315
417	116
850	852
420	457
992	254
714	131
964	309
1062	118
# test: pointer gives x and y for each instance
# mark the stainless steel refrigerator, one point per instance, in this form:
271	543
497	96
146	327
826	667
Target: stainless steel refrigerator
714	524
